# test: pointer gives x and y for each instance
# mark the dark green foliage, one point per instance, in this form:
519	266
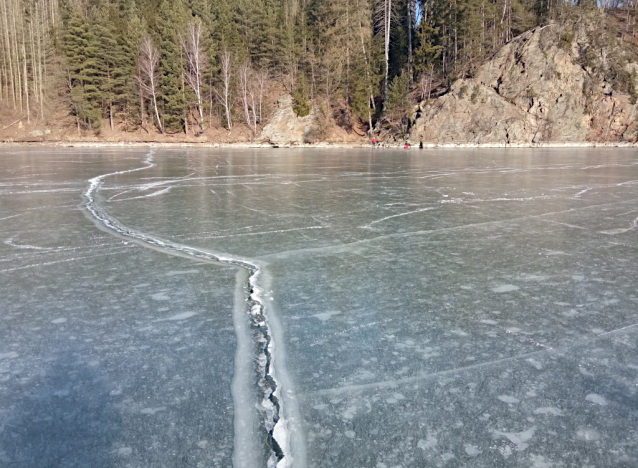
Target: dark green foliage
427	51
566	39
361	92
83	74
301	106
172	66
624	81
398	92
475	94
115	58
329	51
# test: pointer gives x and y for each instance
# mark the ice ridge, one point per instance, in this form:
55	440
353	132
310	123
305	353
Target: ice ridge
271	406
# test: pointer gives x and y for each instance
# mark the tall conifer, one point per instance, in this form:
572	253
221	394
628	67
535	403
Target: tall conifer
83	76
171	16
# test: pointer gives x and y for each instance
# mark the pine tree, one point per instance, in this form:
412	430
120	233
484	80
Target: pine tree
360	101
302	107
83	76
115	62
172	66
427	51
397	94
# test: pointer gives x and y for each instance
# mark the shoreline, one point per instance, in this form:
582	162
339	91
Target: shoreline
326	145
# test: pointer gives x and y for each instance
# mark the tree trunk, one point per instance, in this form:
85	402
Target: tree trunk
26	80
16	50
387	19
410	43
347	94
11	83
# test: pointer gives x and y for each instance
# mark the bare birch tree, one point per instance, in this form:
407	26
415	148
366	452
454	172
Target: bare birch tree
244	78
253	87
196	63
384	16
24	38
147	77
365	33
225	95
262	81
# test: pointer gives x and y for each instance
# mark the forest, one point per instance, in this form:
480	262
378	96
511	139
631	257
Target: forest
189	65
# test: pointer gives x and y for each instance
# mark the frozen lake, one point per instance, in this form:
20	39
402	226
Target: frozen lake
318	308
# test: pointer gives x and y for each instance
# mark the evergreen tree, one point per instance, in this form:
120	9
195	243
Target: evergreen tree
427	51
81	48
336	49
301	107
114	60
397	94
171	16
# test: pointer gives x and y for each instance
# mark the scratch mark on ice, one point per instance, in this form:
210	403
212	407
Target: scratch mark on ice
369	226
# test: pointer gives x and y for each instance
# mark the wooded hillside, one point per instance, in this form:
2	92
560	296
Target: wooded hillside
191	65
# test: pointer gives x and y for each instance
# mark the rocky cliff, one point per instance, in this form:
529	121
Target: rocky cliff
286	128
558	83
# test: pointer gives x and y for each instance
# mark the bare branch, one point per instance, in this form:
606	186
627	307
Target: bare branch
147	74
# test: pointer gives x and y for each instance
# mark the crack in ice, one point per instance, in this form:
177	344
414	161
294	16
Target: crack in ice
275	424
369	226
613	232
560	350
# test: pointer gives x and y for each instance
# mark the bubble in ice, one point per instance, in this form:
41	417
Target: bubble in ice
505	288
539	461
160	297
325	316
152	411
519	439
597	399
395	398
548	410
472	450
174	318
124	451
587	433
508	399
428	443
59	321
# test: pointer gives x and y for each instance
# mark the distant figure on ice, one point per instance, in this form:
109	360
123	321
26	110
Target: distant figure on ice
420	145
374	142
407	144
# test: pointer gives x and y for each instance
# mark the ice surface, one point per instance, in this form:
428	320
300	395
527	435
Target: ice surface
425	308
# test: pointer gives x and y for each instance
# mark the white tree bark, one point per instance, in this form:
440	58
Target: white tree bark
147	77
244	77
196	64
225	94
384	16
262	81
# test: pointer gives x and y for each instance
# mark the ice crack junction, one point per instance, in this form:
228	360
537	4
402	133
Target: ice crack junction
271	406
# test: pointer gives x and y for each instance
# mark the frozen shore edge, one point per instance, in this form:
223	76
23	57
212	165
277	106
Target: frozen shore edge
260	145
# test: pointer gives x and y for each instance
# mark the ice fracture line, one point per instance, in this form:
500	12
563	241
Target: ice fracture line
271	407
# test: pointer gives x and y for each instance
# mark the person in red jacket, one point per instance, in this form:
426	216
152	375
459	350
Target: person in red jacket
374	142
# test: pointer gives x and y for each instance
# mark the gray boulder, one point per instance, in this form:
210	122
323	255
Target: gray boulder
286	128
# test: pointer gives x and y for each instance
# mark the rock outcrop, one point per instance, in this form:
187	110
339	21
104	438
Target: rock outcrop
551	84
286	128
